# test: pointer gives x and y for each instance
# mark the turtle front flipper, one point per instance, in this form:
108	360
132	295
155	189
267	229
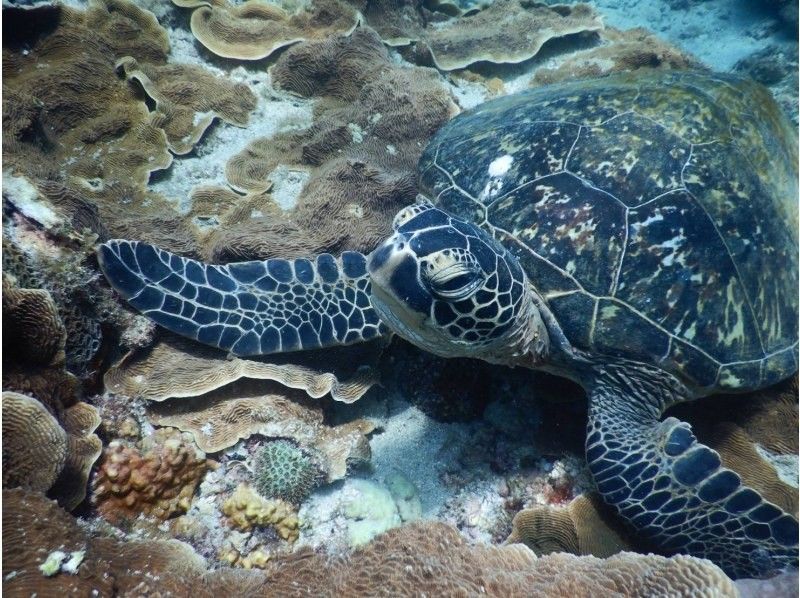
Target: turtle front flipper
673	490
247	308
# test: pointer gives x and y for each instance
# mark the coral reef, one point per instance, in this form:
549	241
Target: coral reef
255	29
616	51
245	510
188	99
157	479
47	454
426	557
33	325
371	123
283	470
34	444
175	367
584	527
507	31
220	419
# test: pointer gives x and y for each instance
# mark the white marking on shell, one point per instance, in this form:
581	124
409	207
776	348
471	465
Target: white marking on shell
500	166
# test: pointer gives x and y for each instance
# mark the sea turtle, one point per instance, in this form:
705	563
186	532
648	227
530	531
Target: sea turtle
635	233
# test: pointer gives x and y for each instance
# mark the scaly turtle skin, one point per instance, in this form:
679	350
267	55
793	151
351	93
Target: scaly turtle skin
637	234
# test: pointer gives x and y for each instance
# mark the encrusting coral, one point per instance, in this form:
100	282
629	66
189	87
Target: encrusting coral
245	510
284	470
157	478
507	31
176	367
424	557
255	29
182	93
616	51
371	123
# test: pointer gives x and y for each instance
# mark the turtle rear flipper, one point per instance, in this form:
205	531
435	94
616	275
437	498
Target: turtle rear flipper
247	308
674	490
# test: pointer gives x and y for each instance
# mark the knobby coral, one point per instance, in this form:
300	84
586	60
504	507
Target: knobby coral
157	479
245	510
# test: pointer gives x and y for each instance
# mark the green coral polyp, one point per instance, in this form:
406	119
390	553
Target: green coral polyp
286	471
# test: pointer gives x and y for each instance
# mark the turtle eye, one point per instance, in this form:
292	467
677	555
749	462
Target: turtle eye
454	282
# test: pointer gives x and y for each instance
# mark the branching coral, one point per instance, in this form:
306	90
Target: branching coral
157	479
245	509
283	470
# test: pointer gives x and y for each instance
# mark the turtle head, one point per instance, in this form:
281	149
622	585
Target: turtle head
448	287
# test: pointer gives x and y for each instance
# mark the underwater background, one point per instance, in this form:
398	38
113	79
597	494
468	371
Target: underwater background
138	463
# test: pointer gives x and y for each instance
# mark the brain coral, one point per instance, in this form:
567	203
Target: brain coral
33	325
44	454
34	444
157	479
283	470
584	527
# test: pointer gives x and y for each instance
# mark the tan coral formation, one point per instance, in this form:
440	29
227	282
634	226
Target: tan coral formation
371	123
617	51
245	509
188	99
33	325
34	444
505	31
508	31
254	29
425	557
157	478
176	367
584	527
40	453
220	419
79	132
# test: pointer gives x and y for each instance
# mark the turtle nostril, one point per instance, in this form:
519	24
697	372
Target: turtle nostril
401	246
